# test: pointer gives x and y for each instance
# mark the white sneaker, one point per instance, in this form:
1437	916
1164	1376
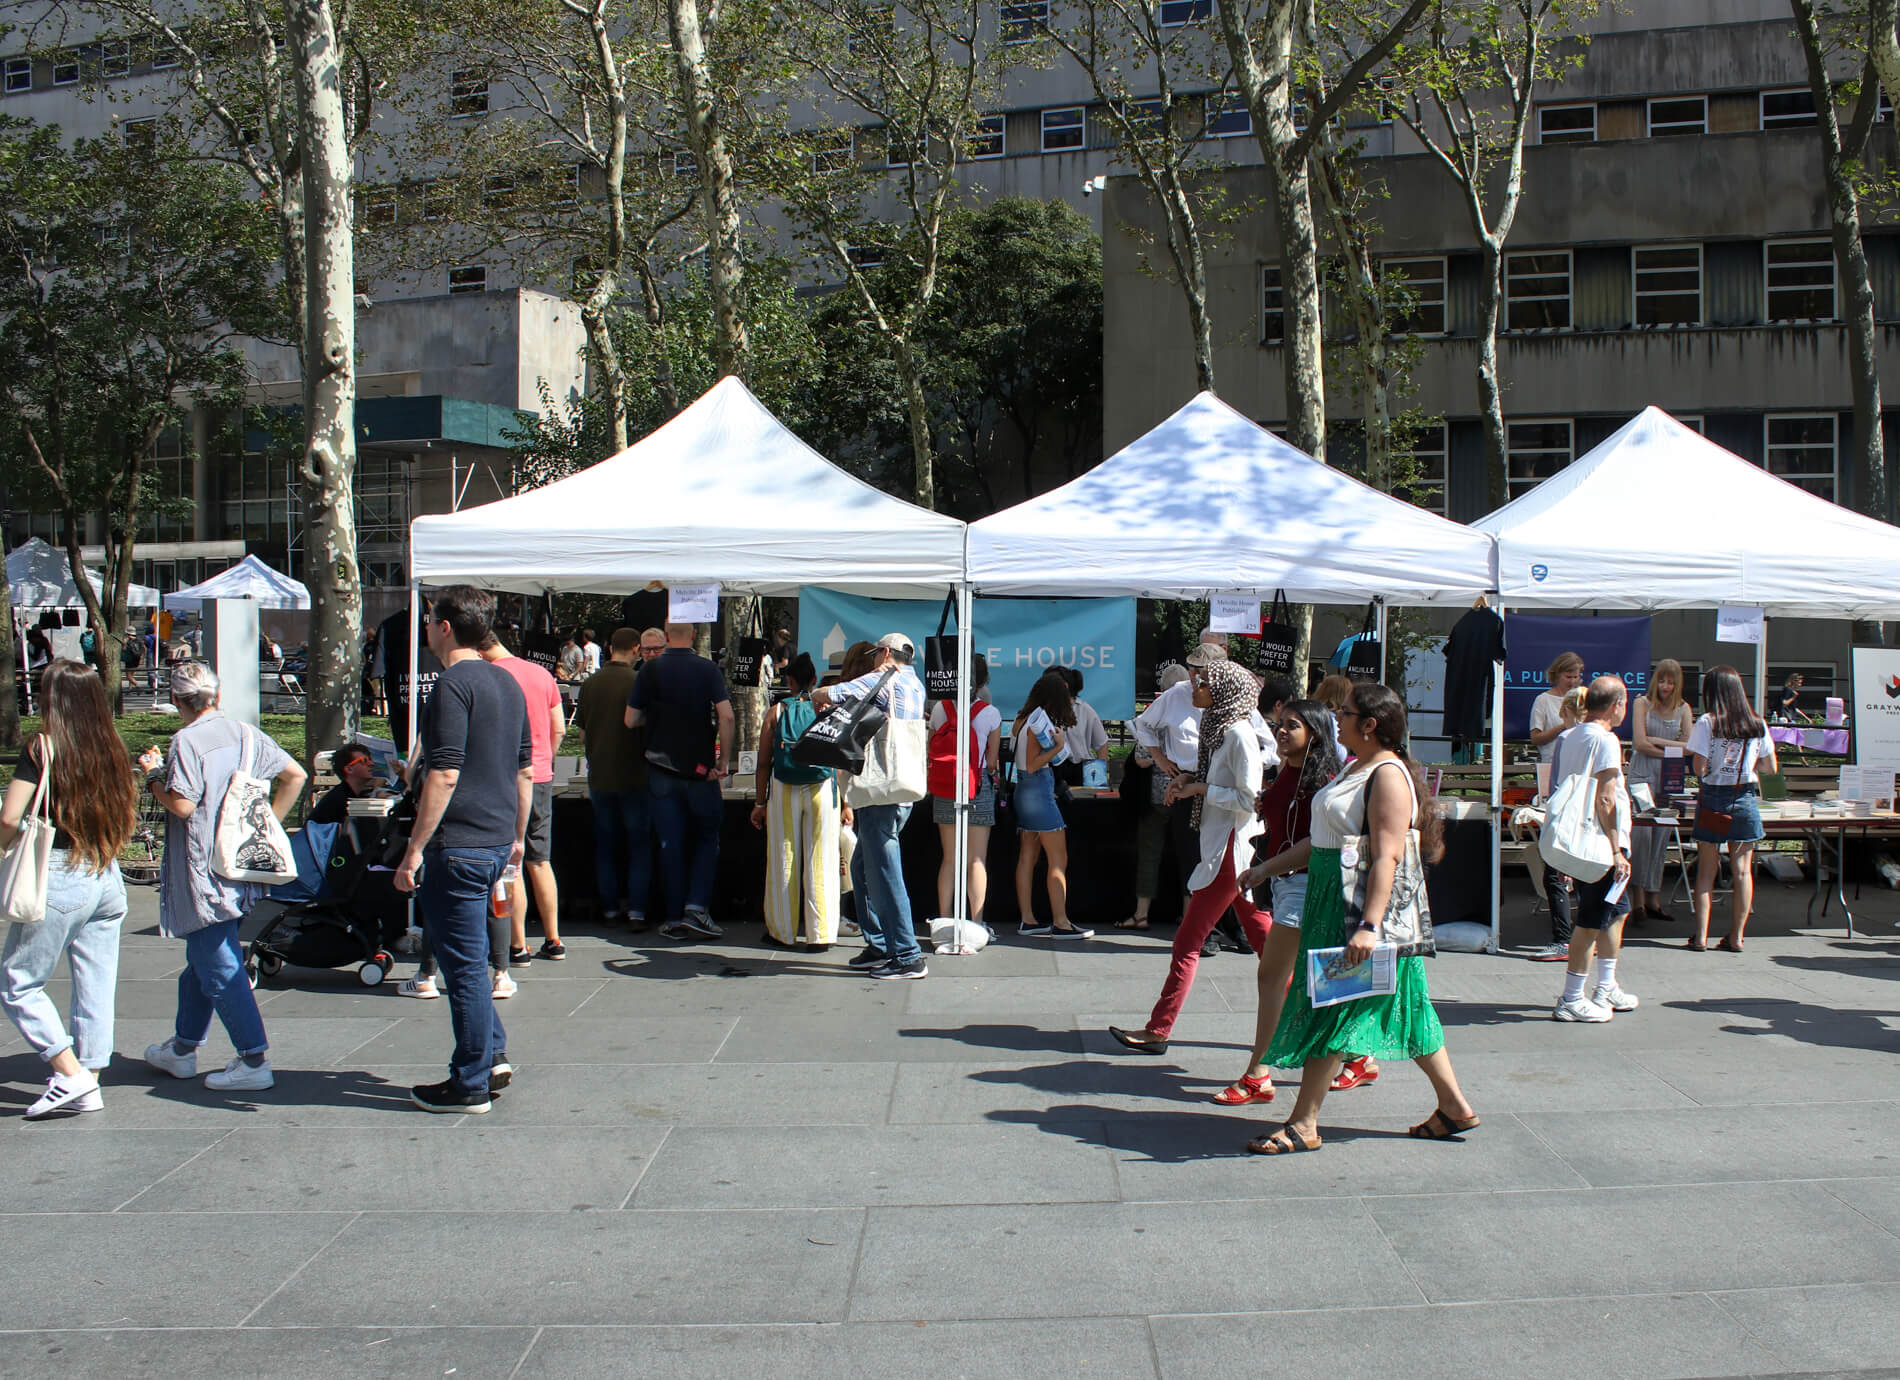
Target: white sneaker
239	1076
1582	1009
505	986
70	1093
165	1059
422	987
1615	998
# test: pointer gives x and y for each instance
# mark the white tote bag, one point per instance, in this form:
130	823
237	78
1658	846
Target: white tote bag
251	845
24	866
1572	841
896	766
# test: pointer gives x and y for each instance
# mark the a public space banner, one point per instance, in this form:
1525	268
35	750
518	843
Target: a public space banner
1875	708
1609	647
1021	638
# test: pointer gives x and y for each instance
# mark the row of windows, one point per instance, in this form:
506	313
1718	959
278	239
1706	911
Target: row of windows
69	66
1663	117
1801	447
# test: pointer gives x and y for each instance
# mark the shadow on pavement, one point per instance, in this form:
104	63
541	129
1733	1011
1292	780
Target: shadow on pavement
1019	1039
1799	1020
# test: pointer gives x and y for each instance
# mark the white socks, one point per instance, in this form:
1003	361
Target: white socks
1573	986
1606	972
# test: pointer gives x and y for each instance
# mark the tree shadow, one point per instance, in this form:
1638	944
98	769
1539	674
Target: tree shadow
1826	1026
1015	1039
674	965
1852	960
1465	1014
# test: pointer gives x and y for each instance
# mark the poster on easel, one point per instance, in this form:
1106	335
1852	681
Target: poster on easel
1876	708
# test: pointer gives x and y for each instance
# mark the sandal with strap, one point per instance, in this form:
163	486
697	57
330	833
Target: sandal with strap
1284	1141
1356	1074
1132	923
1246	1090
1730	944
1438	1126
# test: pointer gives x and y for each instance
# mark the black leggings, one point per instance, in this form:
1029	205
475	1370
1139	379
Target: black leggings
500	934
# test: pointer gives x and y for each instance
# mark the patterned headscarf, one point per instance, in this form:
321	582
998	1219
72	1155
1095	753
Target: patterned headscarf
1235	693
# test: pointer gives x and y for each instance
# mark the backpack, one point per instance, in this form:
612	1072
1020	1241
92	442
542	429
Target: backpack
943	754
794	717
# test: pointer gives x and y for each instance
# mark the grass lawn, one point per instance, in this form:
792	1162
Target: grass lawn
141	731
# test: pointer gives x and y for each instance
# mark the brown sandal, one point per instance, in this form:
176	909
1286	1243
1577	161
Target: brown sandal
1132	923
1284	1141
1438	1126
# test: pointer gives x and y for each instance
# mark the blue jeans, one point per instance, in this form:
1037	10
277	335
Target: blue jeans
688	816
84	911
214	980
877	878
623	849
454	893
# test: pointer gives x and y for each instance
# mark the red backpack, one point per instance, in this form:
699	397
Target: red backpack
942	780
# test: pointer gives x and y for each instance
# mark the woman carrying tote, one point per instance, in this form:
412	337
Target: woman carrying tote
1731	748
797	806
92	799
1382	797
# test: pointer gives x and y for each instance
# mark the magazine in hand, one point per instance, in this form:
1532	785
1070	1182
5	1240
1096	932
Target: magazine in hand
1331	978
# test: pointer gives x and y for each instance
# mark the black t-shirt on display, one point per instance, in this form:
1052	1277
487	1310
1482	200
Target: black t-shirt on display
476	723
393	637
1475	643
677	692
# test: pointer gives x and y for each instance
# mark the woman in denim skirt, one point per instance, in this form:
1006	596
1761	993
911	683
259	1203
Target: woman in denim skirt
92	799
1731	748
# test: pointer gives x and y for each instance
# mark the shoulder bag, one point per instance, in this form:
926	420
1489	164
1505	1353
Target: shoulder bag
1572	840
1408	911
940	656
25	866
839	738
251	845
896	768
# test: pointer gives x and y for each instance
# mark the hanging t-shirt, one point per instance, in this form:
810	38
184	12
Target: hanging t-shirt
391	638
1731	760
1475	645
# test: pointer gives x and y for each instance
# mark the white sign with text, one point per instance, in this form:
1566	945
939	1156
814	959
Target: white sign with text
692	603
1233	613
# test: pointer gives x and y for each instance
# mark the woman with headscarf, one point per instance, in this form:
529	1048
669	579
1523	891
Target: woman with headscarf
1224	788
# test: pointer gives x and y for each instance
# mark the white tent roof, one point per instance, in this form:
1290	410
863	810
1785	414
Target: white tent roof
723	492
1210	502
1657	517
42	578
250	578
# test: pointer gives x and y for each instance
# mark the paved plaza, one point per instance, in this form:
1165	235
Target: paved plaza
738	1161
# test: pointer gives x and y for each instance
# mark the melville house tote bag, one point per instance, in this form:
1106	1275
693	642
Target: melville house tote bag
251	845
23	868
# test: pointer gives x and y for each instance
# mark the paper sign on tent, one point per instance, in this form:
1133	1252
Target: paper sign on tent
1233	613
692	603
1740	625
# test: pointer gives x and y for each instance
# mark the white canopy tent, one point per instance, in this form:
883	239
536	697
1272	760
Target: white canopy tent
250	578
41	577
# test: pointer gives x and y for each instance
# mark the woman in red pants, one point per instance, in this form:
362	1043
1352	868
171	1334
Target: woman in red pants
1224	787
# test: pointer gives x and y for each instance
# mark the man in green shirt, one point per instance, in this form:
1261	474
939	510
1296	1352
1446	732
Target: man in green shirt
617	778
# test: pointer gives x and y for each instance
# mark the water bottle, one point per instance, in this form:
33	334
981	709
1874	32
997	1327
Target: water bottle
500	902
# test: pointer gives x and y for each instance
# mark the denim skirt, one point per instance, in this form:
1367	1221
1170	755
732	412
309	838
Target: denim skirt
982	807
1035	803
1742	805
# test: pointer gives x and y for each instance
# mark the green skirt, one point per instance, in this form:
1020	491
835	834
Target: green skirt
1401	1026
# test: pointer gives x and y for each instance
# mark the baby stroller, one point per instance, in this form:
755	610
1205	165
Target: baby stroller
344	907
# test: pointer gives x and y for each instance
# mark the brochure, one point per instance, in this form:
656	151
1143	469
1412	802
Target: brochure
1331	981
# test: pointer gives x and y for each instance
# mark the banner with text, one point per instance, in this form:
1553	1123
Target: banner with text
1876	707
1021	638
1609	647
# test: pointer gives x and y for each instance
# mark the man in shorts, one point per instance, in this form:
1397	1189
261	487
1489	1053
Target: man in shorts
1591	994
547	724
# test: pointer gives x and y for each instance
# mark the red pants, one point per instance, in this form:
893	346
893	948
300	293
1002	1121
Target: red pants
1205	908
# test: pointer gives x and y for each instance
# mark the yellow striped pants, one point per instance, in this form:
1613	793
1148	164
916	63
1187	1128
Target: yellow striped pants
801	862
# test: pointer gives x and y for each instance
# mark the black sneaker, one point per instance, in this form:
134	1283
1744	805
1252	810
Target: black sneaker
901	972
520	958
500	1074
637	923
1211	947
446	1097
871	958
553	950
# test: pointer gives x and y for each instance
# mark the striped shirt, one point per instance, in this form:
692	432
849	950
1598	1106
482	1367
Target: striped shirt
901	698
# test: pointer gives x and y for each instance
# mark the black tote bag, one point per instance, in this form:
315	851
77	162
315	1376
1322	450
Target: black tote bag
746	665
940	656
838	738
1364	657
1277	640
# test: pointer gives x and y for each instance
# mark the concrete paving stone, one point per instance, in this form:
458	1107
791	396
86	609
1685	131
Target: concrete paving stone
48	1171
138	1098
970	992
1843	1326
1734	1144
839	992
583	1039
1655	1337
1549	1080
273	1353
308	1043
120	1269
1644	1241
865	1166
1876	1199
773	1036
1048	1093
1109	1347
1203	1157
721	1094
1840	1061
1214	1042
405	1165
1092	1259
578	1267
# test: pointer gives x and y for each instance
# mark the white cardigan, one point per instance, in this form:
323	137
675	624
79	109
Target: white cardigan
1227	810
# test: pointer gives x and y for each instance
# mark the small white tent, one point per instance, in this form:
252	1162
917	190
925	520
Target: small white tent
1210	502
250	578
1658	517
723	492
42	578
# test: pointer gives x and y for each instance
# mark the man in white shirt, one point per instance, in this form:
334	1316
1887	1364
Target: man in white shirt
1592	749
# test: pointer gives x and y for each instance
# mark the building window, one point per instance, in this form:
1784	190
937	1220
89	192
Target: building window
468	93
164	59
66	69
685	163
1567	124
877	24
379	206
864	256
19	74
1022	20
1668	284
1228	117
437	201
833	150
1062	129
499	190
1678	115
1800	280
115	59
1426	486
564	192
1272	306
1690	420
1175	13
1782	109
1147	119
986	140
468	278
1425	279
141	134
1534	451
1801	449
900	152
1537	291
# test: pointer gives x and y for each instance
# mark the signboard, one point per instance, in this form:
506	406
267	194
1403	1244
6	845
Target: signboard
692	604
1234	613
1740	625
1020	638
1609	647
1876	707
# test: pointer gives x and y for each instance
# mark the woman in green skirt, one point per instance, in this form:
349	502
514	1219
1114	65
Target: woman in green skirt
1378	796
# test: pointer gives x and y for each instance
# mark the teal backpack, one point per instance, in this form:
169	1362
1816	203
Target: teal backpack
794	717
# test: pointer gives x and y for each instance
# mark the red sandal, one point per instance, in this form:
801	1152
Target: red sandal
1246	1091
1355	1074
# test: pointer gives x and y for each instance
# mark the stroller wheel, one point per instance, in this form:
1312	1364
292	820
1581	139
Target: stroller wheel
269	965
372	972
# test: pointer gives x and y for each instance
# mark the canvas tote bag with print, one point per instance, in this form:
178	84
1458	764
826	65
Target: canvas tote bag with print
24	867
251	845
1408	911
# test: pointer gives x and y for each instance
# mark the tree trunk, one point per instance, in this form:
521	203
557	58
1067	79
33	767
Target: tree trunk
333	683
911	372
1490	390
1190	266
612	383
662	362
594	314
9	650
706	132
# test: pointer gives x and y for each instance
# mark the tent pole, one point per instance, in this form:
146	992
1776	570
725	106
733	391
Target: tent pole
1384	653
26	672
1761	672
1497	801
960	892
410	697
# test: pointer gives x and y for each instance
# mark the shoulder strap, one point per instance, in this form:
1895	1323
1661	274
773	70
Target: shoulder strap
1365	805
42	803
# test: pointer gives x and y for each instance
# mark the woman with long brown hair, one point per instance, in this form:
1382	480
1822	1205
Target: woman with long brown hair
1382	797
92	799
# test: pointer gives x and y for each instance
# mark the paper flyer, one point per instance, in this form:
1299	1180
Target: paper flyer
1330	981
